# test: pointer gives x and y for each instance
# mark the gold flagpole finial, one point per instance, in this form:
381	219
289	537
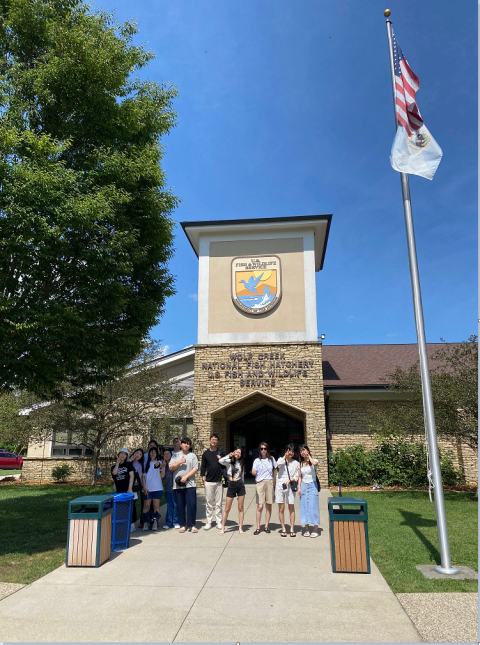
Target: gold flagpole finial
387	13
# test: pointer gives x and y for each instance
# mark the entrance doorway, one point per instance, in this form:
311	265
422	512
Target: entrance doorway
265	424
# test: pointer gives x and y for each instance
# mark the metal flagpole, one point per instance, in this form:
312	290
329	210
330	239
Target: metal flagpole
429	415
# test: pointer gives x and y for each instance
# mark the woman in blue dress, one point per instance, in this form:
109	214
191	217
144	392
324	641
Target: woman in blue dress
308	492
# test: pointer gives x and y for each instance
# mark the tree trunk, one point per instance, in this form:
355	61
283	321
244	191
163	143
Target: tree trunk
96	454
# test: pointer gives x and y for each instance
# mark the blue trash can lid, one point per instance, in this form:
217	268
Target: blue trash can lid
123	497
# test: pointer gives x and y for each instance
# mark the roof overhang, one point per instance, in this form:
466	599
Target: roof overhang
319	223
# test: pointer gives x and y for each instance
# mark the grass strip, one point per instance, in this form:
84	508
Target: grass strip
33	528
403	533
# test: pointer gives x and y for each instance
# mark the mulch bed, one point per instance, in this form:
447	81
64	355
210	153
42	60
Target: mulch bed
461	488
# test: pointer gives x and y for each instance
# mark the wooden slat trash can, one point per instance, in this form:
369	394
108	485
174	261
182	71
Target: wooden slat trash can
89	530
349	535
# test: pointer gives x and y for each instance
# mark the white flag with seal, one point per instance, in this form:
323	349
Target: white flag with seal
415	154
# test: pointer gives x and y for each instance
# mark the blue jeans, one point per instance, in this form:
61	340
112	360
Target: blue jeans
172	518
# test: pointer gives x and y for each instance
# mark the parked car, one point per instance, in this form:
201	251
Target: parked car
9	461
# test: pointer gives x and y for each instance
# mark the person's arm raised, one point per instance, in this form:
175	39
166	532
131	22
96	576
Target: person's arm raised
178	463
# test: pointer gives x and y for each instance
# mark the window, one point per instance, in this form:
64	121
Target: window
66	444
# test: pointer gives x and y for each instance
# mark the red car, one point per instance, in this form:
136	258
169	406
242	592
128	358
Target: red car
9	461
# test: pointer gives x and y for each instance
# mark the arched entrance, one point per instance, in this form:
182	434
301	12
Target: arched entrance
268	424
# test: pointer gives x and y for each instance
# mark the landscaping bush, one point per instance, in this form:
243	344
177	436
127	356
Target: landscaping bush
60	473
391	463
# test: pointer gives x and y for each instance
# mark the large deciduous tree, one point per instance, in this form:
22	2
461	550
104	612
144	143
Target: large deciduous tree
454	378
85	227
122	409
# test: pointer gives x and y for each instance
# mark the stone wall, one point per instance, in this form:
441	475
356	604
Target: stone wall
232	380
38	470
348	423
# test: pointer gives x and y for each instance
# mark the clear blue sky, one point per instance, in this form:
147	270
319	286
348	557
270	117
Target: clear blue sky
285	109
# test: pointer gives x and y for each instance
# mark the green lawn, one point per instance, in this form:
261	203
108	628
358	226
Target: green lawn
33	528
5	473
403	533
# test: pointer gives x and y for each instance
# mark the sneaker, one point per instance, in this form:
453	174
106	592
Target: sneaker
219	526
133	528
176	526
313	535
207	527
145	526
166	527
154	525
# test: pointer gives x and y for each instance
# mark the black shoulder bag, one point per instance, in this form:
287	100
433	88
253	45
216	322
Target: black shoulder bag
293	484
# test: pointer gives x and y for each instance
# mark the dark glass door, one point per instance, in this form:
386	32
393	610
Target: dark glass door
265	424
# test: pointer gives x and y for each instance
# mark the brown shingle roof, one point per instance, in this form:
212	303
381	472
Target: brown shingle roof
363	365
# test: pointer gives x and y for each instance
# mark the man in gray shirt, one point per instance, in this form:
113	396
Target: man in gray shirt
184	464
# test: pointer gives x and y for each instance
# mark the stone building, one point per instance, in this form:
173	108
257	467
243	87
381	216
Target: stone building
259	371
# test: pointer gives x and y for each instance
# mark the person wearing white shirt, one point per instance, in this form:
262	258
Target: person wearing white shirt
308	489
263	468
285	490
152	489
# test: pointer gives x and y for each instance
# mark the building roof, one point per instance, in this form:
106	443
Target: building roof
367	365
319	223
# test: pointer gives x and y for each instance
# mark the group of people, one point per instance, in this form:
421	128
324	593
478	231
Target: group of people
173	473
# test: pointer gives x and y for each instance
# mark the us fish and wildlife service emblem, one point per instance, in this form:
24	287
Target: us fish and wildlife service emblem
256	283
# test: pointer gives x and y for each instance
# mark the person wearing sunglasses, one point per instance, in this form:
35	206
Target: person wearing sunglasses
262	470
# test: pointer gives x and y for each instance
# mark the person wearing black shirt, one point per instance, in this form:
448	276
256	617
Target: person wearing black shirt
123	473
211	473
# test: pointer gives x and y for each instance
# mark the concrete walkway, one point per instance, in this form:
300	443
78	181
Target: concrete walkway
204	587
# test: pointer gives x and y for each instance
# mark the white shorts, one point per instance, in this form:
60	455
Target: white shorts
284	496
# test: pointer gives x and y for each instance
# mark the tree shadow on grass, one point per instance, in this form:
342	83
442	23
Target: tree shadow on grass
416	522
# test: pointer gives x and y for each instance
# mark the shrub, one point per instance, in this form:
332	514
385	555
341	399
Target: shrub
391	463
60	473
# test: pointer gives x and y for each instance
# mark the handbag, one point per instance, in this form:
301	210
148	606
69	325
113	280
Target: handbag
293	484
137	484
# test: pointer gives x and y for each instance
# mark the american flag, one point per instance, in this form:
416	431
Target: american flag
406	87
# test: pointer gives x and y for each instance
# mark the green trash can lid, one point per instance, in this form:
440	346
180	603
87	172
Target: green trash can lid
346	501
91	499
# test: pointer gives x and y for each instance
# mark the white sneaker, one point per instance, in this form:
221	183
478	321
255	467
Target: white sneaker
219	526
154	525
165	528
176	526
145	526
207	527
133	528
314	535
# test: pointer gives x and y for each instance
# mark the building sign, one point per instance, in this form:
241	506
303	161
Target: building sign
259	370
256	283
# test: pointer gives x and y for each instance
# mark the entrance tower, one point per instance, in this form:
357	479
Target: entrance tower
258	361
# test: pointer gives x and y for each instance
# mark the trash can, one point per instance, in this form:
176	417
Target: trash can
349	535
122	519
89	530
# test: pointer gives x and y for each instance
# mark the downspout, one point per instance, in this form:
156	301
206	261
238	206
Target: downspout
327	427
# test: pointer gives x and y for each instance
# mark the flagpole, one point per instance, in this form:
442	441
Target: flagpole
428	411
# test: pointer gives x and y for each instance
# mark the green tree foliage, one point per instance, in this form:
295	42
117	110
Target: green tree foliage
15	430
392	463
121	409
85	227
454	380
